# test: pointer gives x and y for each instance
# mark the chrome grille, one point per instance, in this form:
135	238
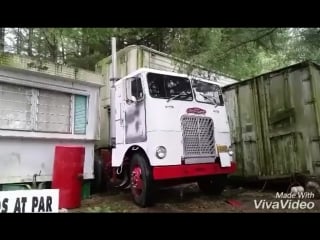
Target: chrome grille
198	136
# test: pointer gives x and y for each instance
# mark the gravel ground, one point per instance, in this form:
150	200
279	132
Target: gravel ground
188	198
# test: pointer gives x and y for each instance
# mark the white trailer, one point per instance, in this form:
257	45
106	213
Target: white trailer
43	105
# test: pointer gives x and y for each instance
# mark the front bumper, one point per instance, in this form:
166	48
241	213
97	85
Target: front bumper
191	170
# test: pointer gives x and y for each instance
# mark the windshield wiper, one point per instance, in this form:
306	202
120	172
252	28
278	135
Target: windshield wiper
178	95
210	99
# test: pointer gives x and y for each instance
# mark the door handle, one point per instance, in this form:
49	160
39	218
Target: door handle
169	106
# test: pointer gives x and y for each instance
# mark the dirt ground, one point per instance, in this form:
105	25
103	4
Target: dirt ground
188	198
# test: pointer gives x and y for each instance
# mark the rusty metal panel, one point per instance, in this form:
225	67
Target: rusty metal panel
314	139
285	128
231	102
283	109
279	130
248	124
244	126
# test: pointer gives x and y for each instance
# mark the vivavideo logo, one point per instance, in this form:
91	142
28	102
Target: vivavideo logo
287	201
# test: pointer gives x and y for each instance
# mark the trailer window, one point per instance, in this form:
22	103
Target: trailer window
166	86
80	114
207	92
53	111
39	110
15	107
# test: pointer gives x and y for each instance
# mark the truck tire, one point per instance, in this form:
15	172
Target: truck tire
97	182
141	181
213	185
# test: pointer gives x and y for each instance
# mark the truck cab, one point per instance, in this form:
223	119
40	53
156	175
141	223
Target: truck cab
170	127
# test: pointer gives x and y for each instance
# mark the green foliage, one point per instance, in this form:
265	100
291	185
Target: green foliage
240	52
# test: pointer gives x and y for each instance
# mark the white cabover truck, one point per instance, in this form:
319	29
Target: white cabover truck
166	127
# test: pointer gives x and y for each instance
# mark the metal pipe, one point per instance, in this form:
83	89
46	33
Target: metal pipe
112	139
114	58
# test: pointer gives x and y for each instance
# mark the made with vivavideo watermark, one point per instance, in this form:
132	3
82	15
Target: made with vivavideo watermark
297	199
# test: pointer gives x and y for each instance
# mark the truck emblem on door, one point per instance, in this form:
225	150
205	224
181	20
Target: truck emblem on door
196	110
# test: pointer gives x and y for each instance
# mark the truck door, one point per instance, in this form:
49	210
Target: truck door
135	113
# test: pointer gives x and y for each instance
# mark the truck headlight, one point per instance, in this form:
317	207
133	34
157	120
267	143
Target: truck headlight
161	152
230	152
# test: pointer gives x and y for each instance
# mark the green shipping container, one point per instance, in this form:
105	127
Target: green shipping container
275	122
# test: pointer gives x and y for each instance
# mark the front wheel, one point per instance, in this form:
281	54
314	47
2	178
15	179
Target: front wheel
213	185
141	181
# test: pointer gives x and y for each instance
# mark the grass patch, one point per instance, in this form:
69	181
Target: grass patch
122	207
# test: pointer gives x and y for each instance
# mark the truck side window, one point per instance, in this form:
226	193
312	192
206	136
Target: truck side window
136	89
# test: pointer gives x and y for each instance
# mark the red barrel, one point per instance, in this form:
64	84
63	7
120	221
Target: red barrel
68	175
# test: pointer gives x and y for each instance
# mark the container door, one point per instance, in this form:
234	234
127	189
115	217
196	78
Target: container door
312	118
247	126
282	113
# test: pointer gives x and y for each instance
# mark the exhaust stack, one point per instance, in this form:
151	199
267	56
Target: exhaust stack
113	79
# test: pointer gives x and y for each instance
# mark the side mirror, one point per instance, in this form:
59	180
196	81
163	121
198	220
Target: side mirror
129	91
134	85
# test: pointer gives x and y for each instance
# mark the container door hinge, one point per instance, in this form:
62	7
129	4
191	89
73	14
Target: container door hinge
309	102
316	163
315	139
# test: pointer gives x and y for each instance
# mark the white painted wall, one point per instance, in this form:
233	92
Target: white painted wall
21	158
24	153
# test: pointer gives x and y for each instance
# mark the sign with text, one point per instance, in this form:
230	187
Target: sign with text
29	201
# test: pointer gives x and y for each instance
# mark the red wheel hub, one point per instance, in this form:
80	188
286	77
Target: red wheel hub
136	180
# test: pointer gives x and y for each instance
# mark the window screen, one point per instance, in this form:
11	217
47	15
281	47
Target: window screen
15	107
80	114
31	109
53	113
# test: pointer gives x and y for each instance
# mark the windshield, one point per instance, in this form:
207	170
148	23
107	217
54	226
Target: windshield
169	87
207	92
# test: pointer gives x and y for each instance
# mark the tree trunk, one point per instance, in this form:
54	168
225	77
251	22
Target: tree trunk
84	43
54	49
18	37
30	38
160	40
2	33
63	55
39	43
